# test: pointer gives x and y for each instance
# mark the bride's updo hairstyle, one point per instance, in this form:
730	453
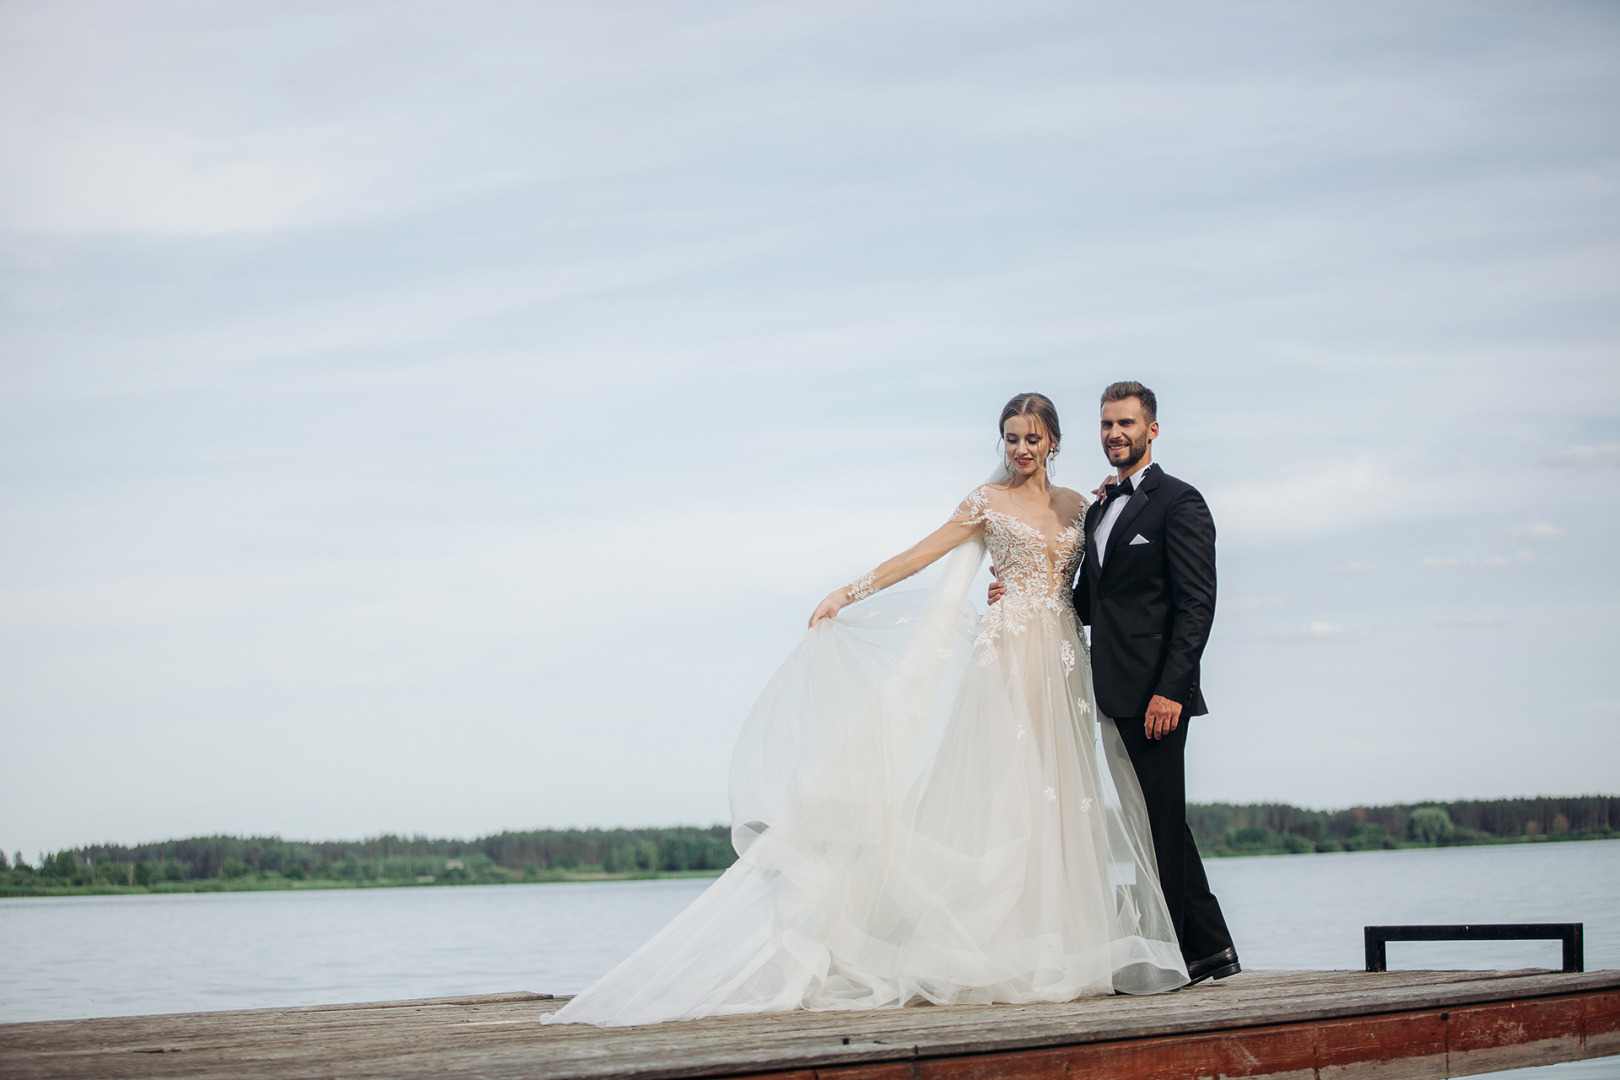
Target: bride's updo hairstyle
1041	408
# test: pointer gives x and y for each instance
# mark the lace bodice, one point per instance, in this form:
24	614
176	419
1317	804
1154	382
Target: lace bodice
1028	562
1038	571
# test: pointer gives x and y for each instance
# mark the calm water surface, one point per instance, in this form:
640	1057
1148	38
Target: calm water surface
124	955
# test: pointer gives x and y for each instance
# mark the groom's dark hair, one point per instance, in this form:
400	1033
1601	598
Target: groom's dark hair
1121	391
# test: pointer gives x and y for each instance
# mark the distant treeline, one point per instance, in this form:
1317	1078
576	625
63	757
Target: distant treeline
268	861
232	862
1261	828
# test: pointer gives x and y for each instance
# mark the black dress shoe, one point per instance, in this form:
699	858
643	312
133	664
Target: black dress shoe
1219	966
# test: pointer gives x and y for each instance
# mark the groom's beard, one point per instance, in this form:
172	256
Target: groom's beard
1137	451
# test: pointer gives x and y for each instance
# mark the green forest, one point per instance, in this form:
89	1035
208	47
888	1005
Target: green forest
1277	828
230	863
221	863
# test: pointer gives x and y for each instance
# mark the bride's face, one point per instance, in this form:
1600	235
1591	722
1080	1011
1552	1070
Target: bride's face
1026	443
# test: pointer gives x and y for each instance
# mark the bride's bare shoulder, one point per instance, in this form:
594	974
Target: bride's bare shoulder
1069	501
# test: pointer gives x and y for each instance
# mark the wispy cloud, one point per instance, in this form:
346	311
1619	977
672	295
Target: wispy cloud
1313	497
1249	601
1584	458
1452	562
1541	530
1475	621
79	176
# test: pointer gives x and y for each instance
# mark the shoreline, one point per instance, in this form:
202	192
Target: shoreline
276	883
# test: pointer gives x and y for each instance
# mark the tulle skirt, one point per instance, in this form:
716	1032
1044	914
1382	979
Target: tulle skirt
926	808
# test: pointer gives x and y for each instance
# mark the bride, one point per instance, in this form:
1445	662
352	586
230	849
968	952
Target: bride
924	803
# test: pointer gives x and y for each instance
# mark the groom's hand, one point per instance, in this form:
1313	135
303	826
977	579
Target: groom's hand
1162	716
997	589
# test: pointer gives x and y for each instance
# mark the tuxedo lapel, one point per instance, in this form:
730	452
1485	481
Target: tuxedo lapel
1093	519
1138	503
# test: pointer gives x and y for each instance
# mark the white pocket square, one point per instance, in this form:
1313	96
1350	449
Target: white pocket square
1140	539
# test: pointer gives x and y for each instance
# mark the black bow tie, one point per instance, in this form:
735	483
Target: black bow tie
1120	491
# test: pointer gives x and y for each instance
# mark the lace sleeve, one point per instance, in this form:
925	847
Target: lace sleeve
863	586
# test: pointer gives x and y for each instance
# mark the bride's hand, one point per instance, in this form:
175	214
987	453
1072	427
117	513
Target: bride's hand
829	608
1101	490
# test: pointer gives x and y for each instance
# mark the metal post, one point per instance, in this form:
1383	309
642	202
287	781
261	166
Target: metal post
1374	942
1575	947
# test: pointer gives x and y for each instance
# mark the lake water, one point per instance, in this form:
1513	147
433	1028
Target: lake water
125	955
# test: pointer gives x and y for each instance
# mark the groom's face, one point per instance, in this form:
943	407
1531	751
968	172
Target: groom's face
1126	432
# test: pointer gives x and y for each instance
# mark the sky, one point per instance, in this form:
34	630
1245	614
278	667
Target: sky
434	418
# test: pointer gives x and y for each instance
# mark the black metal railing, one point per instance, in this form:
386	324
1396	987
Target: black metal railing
1570	933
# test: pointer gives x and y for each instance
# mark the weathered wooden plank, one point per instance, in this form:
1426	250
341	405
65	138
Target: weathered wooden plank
995	1029
418	1003
1209	1028
1401	1046
1284	1055
1600	1027
1513	1035
1344	1050
1391	1047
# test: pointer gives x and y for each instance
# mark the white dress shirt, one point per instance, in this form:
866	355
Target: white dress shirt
1111	511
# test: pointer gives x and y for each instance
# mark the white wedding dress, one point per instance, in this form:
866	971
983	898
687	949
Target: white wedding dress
927	807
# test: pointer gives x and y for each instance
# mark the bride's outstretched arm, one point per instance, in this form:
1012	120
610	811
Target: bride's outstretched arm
965	524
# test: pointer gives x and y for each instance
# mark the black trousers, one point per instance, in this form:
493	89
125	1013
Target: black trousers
1161	770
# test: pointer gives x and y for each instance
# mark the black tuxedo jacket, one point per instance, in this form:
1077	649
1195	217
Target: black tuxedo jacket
1151	600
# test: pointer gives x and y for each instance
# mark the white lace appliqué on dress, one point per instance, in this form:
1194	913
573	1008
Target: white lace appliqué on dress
863	586
1038	574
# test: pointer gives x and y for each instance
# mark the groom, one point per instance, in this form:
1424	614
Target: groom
1147	590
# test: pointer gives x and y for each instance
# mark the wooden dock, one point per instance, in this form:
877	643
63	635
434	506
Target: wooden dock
1295	1024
